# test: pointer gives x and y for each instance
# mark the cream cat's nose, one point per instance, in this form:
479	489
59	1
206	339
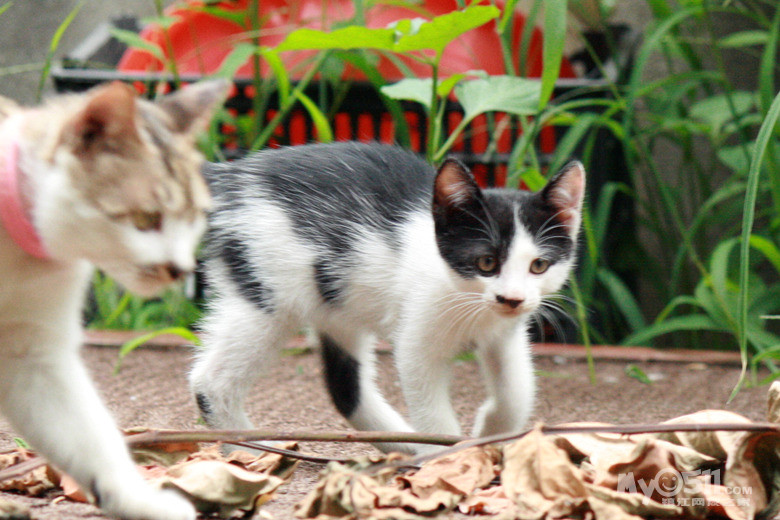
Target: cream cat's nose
510	302
174	271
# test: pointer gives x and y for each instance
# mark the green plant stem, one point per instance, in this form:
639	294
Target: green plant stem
284	110
582	318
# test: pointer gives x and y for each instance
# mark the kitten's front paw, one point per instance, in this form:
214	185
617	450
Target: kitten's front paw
149	504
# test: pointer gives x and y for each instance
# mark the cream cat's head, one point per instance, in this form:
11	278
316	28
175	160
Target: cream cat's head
115	179
509	250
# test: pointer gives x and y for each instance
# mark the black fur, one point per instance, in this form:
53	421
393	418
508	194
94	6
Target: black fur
233	253
342	375
204	405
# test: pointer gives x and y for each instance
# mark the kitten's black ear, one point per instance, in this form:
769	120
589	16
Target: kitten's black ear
192	107
565	193
109	113
454	189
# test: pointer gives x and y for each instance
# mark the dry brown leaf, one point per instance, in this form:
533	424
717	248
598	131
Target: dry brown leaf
461	473
218	487
33	483
539	477
714	443
632	504
723	503
490	501
773	403
268	463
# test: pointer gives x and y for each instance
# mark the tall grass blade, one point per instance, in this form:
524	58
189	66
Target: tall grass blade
552	47
53	46
748	217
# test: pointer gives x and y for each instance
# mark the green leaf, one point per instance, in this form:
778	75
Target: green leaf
623	299
676	324
749	212
352	37
4	7
237	57
54	45
552	47
411	89
509	94
324	132
715	111
280	73
744	39
133	344
163	21
134	40
638	374
439	32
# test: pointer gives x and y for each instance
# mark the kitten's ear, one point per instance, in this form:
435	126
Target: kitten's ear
454	188
109	113
565	193
192	107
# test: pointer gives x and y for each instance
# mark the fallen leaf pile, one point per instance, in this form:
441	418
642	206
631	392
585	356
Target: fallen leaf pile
602	476
235	484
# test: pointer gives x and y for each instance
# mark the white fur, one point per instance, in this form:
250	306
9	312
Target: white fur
412	298
45	391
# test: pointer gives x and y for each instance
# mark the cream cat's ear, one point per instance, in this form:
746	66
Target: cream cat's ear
109	114
566	192
192	107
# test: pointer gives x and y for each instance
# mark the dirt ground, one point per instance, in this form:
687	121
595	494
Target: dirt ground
151	391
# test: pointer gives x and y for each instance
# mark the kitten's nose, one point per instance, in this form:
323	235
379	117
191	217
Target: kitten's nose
510	302
173	271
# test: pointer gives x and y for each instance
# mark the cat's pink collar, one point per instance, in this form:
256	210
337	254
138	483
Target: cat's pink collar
13	211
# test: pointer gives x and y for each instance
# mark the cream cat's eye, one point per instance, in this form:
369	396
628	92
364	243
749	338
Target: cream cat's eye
539	265
147	220
487	263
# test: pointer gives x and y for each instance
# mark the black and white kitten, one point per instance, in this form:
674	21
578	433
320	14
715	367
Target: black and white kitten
367	241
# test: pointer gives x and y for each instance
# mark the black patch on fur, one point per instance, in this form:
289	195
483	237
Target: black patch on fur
342	375
329	284
235	256
204	405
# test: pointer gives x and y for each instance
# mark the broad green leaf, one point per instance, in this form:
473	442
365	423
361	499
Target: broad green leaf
508	94
552	47
235	60
439	32
134	40
768	248
533	179
744	39
623	298
679	323
445	86
411	89
716	110
324	132
352	37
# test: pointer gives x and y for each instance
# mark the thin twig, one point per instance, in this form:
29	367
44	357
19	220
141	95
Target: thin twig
234	436
626	429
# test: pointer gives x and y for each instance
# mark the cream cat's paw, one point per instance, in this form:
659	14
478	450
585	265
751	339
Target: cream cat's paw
149	504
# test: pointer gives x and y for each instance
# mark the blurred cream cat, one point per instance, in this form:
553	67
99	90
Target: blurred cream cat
102	178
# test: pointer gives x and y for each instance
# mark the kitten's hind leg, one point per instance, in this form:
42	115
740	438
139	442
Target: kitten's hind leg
240	342
351	379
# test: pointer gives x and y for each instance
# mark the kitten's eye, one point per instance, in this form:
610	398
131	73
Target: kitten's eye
539	266
146	220
487	263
